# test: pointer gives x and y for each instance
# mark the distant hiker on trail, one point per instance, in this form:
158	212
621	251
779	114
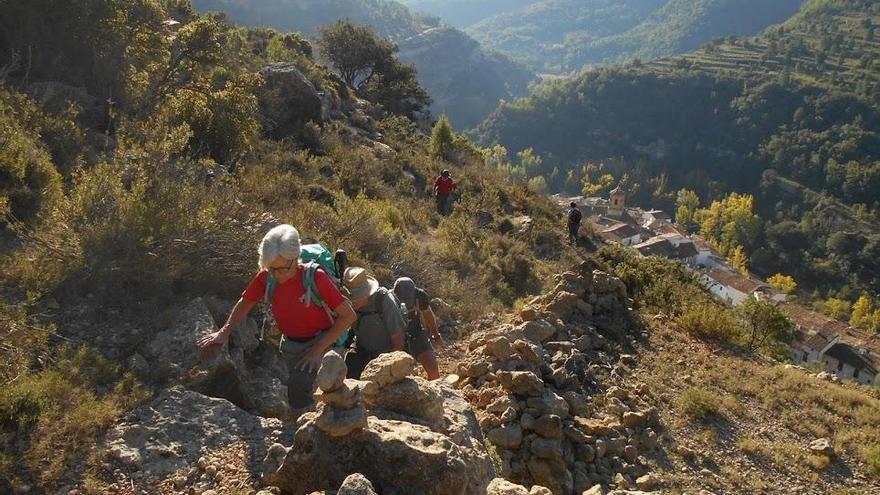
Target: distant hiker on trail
380	326
308	329
420	317
444	186
574	222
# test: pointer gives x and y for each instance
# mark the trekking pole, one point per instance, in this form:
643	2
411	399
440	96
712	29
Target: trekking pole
340	259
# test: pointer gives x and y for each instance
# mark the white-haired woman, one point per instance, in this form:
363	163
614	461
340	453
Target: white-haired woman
308	331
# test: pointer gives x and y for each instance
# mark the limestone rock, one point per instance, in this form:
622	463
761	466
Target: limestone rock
500	486
537	331
500	348
332	372
551	473
414	397
647	482
175	352
523	383
397	457
595	490
356	484
340	422
168	434
548	426
508	437
347	396
389	368
822	446
287	100
529	352
546	448
633	419
540	490
528	314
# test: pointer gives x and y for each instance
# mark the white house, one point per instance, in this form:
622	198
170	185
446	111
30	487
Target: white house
622	233
731	287
849	363
652	216
707	257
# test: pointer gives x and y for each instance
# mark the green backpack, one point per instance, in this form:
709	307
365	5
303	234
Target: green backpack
315	257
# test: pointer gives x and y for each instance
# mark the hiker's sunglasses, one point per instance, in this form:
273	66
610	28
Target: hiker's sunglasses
274	269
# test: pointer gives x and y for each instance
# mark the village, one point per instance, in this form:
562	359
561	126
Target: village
821	343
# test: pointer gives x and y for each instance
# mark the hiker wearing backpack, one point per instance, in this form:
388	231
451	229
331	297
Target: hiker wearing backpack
574	222
444	186
380	325
308	308
420	322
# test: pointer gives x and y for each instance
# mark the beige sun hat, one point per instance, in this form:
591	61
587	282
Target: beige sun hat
358	283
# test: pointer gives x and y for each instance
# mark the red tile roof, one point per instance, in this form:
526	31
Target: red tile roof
735	280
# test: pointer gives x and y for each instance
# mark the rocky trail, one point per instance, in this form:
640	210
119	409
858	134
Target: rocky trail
555	399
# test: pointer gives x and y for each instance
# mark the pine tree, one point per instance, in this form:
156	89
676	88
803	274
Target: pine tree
442	139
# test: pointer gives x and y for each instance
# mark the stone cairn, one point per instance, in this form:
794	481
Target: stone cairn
340	410
533	384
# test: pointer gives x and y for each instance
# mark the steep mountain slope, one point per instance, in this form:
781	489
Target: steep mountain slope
464	80
462	13
564	35
544	34
802	100
130	191
684	25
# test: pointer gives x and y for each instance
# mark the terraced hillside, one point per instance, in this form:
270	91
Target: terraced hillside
561	36
835	44
798	106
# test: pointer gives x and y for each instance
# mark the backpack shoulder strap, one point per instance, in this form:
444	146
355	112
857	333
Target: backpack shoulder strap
267	303
312	294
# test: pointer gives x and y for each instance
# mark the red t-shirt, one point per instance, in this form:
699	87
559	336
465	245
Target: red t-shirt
444	185
294	318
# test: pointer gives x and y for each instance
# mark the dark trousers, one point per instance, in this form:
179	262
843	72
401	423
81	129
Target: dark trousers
300	384
573	232
444	202
356	360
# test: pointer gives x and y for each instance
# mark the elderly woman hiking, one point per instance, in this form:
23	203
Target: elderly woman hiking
308	328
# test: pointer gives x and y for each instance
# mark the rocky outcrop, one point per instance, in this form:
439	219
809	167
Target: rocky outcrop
434	447
288	100
168	440
247	372
533	383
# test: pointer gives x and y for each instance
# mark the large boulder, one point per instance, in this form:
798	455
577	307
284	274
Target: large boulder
412	397
246	372
172	432
175	353
287	100
396	456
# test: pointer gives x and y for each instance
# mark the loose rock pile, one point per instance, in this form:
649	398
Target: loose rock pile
403	434
533	383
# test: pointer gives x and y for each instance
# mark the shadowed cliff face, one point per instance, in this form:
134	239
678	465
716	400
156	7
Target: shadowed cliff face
465	81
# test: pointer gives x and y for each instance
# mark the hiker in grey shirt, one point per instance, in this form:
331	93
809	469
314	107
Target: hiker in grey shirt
380	327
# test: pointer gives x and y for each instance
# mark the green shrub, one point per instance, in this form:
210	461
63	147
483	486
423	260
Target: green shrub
697	403
709	320
61	410
28	179
871	457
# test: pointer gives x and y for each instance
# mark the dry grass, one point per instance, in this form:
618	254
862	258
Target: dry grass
769	415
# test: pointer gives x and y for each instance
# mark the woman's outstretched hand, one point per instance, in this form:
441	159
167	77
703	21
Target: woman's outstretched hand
219	337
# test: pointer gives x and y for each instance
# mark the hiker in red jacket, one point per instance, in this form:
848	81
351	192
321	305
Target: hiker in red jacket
307	329
444	186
